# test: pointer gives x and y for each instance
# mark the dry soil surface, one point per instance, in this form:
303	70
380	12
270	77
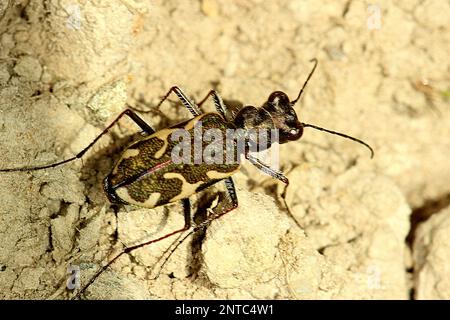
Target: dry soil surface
67	68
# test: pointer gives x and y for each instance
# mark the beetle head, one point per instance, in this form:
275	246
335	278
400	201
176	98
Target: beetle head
278	113
284	116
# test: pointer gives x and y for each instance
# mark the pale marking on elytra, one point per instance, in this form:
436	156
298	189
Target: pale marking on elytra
122	192
212	174
116	168
188	126
187	188
164	136
130	153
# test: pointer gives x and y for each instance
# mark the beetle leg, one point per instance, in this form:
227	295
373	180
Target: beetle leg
187	219
229	184
268	170
138	120
218	102
130	113
187	225
187	213
191	106
233	204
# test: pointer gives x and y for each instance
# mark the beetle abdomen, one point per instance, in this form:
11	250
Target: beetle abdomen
147	175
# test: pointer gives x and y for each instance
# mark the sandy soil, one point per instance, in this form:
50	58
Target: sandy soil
67	68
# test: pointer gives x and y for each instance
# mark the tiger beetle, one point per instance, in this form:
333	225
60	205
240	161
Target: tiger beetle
146	175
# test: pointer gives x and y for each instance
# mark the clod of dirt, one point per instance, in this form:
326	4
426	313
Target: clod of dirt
112	286
29	68
238	249
359	222
431	250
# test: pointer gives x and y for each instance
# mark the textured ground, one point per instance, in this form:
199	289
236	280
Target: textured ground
66	69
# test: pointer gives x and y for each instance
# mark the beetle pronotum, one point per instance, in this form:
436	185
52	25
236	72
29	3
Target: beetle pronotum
146	174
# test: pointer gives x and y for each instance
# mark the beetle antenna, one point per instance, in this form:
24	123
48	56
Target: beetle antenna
306	82
52	165
305	125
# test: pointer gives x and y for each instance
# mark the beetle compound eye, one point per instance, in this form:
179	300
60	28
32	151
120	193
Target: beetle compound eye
278	98
291	133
